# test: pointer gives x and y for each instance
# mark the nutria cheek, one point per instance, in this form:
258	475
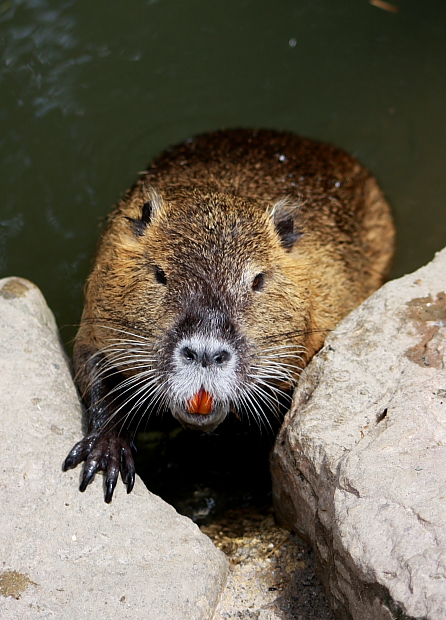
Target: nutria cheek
201	402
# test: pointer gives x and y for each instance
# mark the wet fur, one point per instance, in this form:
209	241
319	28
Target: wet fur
181	254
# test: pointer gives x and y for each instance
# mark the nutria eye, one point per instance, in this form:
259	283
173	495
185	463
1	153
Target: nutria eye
160	276
258	282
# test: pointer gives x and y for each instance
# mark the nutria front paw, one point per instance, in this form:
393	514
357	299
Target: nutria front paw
110	453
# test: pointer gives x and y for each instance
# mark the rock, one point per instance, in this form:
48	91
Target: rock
271	574
65	554
359	467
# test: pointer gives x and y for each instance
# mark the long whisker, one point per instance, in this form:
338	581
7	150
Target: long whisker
140	389
126	403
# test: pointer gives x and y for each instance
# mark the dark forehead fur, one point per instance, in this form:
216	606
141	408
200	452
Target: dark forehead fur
226	221
265	166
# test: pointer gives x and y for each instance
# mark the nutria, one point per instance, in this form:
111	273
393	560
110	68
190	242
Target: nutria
216	280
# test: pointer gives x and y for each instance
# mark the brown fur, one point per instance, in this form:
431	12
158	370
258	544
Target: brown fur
218	202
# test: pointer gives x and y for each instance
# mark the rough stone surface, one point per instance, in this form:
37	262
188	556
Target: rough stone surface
272	571
65	554
359	465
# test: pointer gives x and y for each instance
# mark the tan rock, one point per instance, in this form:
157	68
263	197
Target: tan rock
69	555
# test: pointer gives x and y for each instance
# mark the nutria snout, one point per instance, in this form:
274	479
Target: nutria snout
202	379
215	282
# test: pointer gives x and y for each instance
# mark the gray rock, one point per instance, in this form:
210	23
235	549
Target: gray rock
68	555
359	467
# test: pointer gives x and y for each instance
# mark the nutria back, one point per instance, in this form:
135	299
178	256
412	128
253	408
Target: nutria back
216	280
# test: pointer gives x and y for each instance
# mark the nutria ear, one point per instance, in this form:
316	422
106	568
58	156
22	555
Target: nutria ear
147	210
283	215
150	205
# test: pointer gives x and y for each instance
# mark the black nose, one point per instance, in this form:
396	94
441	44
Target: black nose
205	356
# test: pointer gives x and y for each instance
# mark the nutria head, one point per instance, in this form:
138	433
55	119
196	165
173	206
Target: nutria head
212	311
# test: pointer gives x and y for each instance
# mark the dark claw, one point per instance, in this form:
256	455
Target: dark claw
110	484
112	469
128	479
128	470
110	453
90	468
130	482
69	462
78	453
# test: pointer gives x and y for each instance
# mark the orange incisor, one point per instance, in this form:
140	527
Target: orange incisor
201	402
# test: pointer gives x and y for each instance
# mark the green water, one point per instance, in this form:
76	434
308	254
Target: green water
92	89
